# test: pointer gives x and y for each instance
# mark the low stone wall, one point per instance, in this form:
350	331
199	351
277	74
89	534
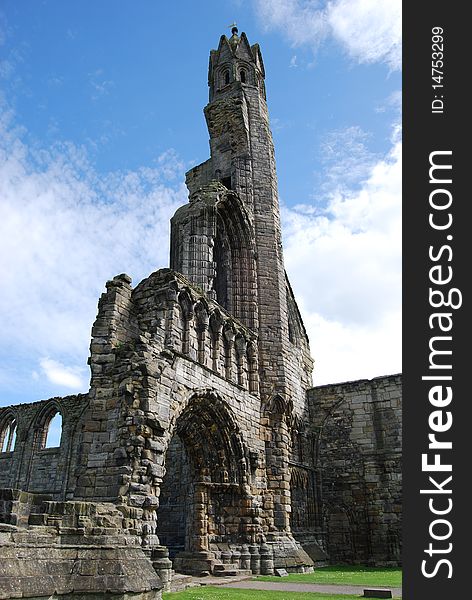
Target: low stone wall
52	549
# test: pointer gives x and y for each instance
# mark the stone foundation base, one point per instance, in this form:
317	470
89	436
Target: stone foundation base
79	573
73	550
195	563
281	552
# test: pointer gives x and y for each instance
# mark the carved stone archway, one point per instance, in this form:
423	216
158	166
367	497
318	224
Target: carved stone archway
201	510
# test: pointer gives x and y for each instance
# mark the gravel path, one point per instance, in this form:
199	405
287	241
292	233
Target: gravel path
307	587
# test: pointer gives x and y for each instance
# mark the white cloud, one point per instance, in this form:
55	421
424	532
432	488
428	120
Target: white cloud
64	232
6	69
73	378
393	102
347	352
302	22
368	30
345	266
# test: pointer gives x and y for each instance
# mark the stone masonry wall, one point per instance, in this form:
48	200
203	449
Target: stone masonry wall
29	465
356	447
168	361
71	550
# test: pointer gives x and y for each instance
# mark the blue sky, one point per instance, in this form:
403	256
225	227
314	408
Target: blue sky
101	115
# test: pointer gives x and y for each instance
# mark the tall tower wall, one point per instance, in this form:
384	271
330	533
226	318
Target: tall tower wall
243	161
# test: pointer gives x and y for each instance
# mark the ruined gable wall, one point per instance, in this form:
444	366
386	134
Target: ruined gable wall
152	345
154	350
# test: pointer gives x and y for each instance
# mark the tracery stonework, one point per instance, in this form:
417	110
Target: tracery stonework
201	437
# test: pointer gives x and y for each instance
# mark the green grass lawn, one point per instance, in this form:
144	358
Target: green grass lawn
340	574
217	593
346	575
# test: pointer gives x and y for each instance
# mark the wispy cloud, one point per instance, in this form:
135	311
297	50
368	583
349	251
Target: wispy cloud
73	378
65	230
368	30
6	69
346	158
345	265
393	103
100	85
55	81
10	58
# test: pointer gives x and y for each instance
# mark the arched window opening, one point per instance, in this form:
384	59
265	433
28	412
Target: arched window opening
52	431
226	77
295	333
234	282
8	436
242	76
222	258
291	335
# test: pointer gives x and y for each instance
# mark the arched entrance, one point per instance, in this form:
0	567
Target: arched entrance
203	506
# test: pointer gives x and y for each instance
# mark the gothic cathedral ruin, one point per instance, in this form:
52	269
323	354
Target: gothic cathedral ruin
202	446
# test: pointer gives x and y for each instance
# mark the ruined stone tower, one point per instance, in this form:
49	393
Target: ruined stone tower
200	438
228	239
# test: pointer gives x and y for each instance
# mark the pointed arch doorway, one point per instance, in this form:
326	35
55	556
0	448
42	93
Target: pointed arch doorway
203	498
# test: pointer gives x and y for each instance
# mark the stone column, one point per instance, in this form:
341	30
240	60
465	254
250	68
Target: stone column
198	538
229	343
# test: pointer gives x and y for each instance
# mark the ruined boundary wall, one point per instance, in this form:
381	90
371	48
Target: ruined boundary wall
27	463
356	437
